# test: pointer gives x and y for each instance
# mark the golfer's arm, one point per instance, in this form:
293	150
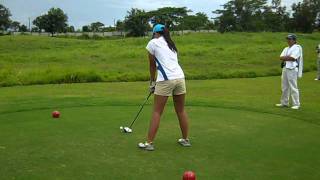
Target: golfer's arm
152	67
287	58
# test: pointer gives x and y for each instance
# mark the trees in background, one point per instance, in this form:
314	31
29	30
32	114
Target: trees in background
70	29
318	21
94	27
14	26
4	18
55	21
305	15
17	27
235	15
40	23
23	28
170	16
6	22
119	26
86	28
275	17
196	22
97	27
241	15
109	29
35	29
258	15
136	22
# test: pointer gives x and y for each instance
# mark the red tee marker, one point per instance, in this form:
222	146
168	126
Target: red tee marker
189	175
55	114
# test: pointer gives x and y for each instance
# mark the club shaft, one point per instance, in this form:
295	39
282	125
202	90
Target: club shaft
144	103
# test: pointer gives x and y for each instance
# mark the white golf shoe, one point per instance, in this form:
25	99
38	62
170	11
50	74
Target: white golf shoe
146	146
295	107
184	142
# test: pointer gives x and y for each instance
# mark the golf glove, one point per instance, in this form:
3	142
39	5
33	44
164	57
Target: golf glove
152	86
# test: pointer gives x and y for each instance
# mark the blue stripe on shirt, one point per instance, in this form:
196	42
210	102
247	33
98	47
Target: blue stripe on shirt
160	68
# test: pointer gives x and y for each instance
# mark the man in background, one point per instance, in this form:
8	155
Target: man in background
292	64
318	51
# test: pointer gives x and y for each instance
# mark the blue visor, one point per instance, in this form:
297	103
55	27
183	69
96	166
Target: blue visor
158	28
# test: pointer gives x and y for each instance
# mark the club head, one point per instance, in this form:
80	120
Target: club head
126	129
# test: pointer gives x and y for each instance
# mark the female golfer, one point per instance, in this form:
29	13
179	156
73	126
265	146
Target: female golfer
163	56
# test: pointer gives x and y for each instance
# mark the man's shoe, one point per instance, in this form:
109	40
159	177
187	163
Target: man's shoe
146	146
295	107
281	105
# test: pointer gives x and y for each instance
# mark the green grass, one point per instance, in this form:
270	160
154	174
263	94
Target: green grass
28	60
236	132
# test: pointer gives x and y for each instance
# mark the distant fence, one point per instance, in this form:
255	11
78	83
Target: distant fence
104	34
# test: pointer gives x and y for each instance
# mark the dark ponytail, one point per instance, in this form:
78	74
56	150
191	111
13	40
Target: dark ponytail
167	37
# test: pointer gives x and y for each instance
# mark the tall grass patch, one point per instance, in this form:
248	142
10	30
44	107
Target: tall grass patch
41	60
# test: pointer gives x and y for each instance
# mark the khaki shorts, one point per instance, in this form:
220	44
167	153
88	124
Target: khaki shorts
170	87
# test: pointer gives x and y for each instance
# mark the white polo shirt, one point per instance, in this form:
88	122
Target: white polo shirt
295	52
166	60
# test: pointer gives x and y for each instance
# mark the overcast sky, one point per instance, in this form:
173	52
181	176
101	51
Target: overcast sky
83	12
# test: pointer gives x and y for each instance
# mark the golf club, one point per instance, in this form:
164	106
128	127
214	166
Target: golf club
129	129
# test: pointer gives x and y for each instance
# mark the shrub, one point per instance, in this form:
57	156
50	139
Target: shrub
84	36
97	37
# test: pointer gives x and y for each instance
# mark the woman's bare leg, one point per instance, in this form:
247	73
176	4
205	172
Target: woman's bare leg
179	101
159	103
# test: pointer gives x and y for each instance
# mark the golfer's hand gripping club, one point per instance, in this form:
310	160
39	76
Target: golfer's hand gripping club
152	86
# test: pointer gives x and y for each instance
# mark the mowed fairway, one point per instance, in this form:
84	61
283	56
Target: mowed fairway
236	132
